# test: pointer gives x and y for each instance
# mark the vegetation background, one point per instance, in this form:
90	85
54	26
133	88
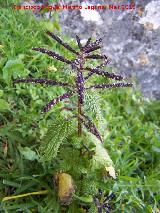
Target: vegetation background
129	123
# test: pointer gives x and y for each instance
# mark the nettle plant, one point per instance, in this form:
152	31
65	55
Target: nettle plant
60	130
79	88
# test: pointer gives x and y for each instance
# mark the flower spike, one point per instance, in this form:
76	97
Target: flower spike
91	49
52	54
78	42
110	86
104	73
41	81
59	40
93	46
80	86
90	126
57	100
88	42
107	61
96	56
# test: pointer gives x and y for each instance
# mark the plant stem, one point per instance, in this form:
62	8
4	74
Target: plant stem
79	120
25	195
79	102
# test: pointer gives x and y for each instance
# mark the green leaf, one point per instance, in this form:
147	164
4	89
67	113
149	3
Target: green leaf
4	105
127	178
14	68
1	93
92	104
101	158
28	153
54	137
57	26
11	183
48	25
156	149
88	199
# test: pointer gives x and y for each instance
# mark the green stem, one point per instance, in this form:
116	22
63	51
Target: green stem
25	195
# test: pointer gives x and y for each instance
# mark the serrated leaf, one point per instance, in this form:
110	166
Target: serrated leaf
101	158
92	104
54	137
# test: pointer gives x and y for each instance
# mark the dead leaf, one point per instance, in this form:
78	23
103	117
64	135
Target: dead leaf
111	171
101	159
66	187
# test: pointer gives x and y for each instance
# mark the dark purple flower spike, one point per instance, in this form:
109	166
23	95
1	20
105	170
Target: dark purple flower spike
92	46
57	100
77	64
104	64
52	54
80	86
96	56
102	202
79	42
104	74
110	86
90	126
42	81
59	40
88	42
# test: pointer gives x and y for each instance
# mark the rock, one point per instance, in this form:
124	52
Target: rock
152	15
92	16
130	37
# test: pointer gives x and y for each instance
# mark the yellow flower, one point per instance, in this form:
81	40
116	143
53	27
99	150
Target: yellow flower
52	68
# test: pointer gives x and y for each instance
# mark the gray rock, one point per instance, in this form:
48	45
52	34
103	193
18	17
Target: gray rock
130	38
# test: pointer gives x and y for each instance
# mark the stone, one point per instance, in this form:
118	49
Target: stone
131	38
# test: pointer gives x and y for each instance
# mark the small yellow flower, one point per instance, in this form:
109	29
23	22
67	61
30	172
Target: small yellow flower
52	68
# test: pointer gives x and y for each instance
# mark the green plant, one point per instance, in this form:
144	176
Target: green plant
78	87
129	126
59	130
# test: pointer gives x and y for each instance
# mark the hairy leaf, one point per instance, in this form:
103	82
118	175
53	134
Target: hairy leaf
54	137
101	159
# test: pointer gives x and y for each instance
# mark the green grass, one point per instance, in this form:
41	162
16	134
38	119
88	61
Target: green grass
131	127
